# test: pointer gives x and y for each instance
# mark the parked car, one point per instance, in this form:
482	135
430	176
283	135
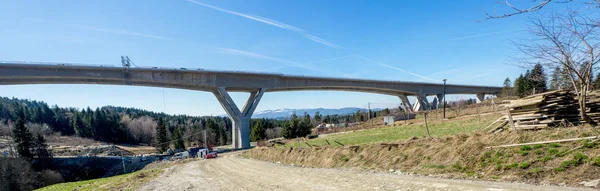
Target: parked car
181	155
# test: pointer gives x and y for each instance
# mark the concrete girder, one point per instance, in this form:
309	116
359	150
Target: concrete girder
405	103
240	130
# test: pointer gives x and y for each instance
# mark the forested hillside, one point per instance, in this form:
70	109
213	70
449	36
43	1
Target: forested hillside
109	123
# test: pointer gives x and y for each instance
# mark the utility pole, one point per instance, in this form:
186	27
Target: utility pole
444	116
205	138
369	111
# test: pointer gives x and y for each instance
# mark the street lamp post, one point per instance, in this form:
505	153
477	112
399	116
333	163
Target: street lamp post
444	98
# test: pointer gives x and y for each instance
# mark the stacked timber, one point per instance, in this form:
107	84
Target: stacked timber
592	105
549	109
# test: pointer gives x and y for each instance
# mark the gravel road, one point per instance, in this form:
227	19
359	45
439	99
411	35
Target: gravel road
232	172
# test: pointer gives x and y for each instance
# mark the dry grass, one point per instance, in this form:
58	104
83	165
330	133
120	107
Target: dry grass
56	139
461	156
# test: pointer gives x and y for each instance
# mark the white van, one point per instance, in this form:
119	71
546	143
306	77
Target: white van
181	155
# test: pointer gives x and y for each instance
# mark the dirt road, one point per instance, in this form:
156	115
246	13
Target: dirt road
231	172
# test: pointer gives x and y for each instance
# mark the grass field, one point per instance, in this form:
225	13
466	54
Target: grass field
437	128
129	181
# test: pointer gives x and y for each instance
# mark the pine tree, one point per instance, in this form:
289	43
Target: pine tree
177	139
23	139
507	88
537	79
357	116
40	150
318	117
555	79
565	82
162	143
258	132
520	86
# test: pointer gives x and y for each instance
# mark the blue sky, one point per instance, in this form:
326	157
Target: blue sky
423	41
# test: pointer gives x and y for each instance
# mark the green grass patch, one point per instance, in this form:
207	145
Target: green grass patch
511	166
536	170
130	181
524	165
554	145
525	148
437	166
589	144
546	158
597	161
404	132
538	146
553	151
578	159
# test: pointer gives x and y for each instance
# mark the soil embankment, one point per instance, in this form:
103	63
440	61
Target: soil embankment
461	156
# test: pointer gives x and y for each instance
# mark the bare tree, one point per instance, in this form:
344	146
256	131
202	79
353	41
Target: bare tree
568	41
539	4
141	129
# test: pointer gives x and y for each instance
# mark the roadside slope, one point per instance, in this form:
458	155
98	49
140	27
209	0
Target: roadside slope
231	172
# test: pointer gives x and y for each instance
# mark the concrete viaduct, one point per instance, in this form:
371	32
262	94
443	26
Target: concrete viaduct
222	82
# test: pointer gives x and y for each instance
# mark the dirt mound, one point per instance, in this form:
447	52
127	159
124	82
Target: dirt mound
462	156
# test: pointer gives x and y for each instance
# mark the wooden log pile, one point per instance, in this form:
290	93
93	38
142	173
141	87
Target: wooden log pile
592	105
549	109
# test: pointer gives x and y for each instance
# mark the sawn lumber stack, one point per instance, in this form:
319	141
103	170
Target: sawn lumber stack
549	109
592	105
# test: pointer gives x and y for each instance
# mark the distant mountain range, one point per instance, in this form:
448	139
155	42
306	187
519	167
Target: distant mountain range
284	113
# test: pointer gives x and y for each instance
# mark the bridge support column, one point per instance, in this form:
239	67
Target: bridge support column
422	103
405	103
240	137
438	101
480	98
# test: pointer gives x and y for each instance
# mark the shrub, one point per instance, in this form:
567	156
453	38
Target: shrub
16	174
49	177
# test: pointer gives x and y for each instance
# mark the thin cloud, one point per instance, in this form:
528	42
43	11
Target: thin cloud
106	30
480	35
272	23
252	17
395	68
322	41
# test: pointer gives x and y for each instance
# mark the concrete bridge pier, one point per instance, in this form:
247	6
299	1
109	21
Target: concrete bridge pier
480	98
405	103
422	103
240	137
438	101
